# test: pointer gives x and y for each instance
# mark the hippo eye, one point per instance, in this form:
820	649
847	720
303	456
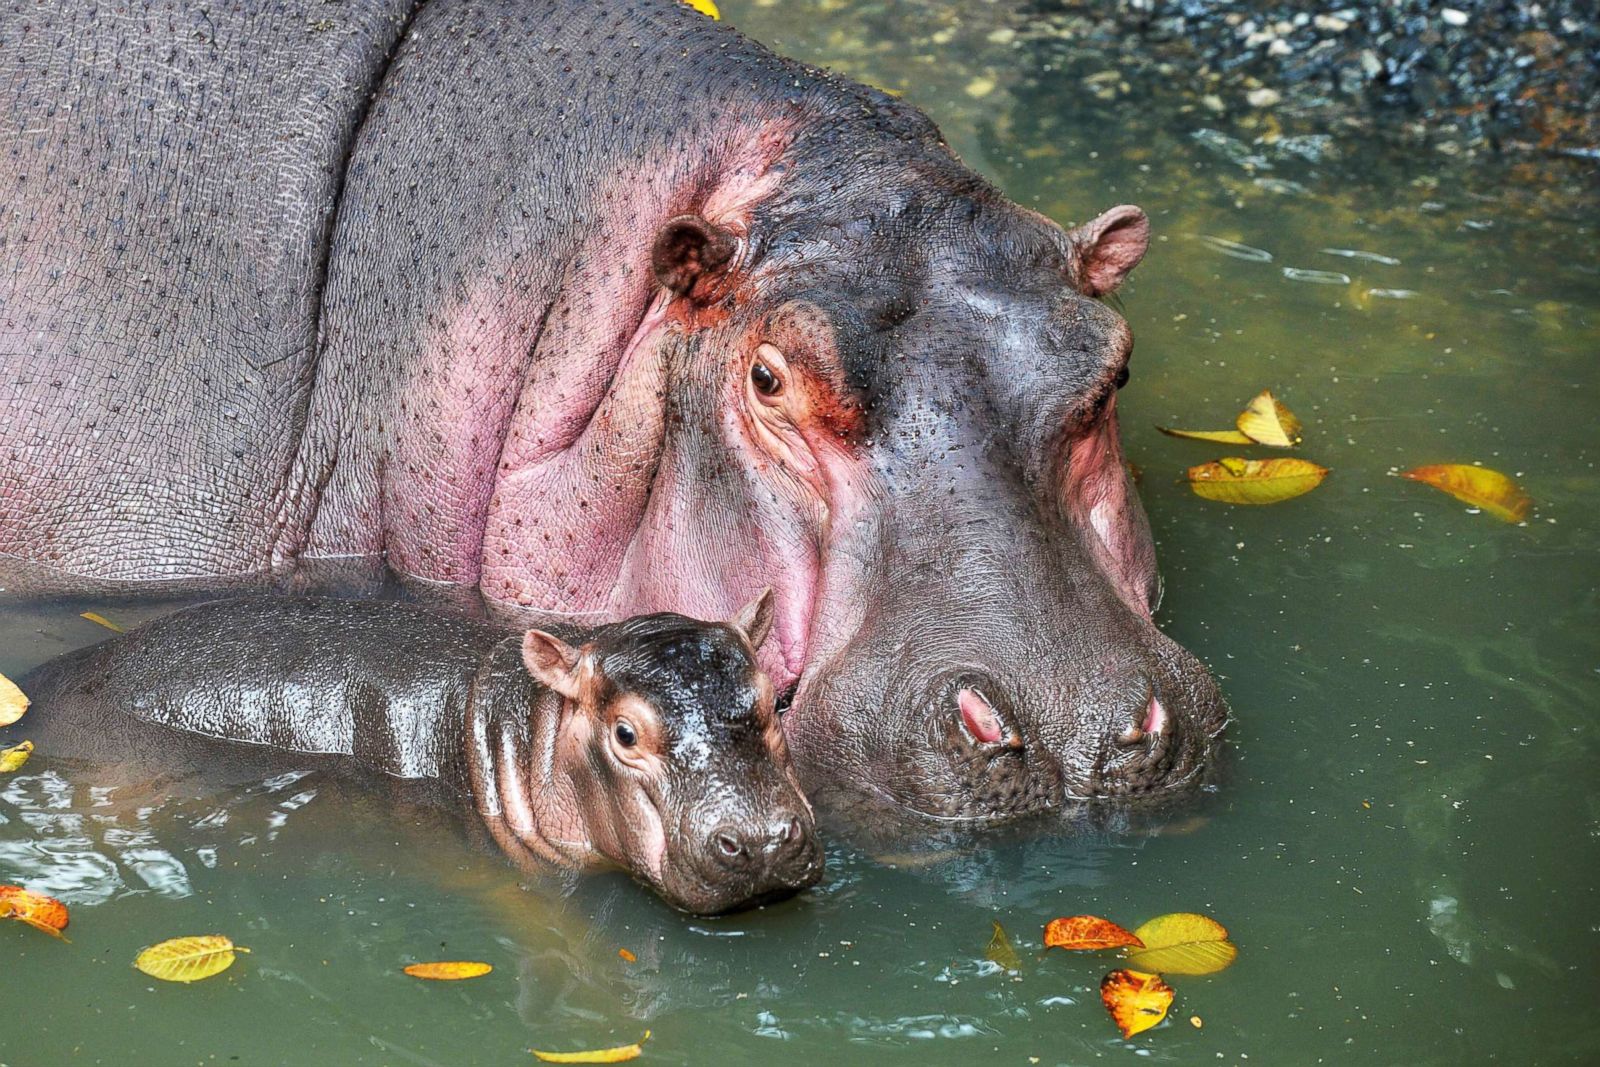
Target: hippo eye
766	382
625	735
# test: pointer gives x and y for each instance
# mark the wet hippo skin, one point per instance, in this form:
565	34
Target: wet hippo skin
593	309
650	744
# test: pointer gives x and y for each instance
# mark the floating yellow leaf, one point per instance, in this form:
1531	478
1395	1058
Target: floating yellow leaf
12	759
13	701
705	7
1087	932
1226	437
620	1054
1000	951
1183	943
448	970
1478	486
1255	481
1136	1001
35	909
96	617
1268	422
188	959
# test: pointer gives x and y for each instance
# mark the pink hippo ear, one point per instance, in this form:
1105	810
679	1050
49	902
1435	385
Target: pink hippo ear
754	620
552	661
1108	247
689	255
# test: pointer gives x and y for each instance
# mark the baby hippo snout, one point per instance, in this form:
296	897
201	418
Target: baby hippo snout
772	857
740	847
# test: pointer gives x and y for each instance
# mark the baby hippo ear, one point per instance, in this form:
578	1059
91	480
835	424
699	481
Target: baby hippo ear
754	620
690	254
1109	247
552	661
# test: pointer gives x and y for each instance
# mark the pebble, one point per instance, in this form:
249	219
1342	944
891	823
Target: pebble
1263	97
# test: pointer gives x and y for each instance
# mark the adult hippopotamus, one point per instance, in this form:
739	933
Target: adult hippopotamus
600	309
650	745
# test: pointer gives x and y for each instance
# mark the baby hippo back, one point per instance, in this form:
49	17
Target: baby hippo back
385	683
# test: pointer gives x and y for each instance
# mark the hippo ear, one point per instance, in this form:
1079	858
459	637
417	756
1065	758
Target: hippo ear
552	661
1109	247
754	620
690	253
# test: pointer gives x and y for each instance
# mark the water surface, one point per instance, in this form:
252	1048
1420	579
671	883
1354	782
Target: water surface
1406	843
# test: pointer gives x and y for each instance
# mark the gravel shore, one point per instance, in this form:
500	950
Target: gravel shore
1465	76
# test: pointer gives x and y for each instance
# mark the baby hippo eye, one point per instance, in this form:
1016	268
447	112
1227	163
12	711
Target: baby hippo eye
625	735
765	381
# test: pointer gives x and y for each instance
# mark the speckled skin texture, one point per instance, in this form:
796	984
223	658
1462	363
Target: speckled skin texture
489	370
704	806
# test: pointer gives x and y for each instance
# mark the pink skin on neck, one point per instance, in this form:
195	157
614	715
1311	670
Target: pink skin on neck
1099	497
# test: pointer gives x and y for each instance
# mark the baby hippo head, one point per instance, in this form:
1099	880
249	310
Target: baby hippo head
669	761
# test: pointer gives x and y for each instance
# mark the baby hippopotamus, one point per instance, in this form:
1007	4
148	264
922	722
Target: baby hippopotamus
649	744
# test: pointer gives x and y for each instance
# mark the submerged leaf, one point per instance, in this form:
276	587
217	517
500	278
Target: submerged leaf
620	1054
13	701
448	970
35	909
1226	437
1268	422
627	956
188	959
12	759
96	617
1478	486
1136	1001
1086	932
1000	951
705	7
1183	943
1255	481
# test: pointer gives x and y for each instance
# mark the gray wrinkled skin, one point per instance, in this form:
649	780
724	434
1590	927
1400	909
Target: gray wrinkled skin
306	286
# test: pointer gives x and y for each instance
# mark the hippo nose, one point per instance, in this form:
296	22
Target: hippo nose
745	846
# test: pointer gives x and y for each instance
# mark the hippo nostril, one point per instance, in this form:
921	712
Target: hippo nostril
791	831
1155	717
728	845
979	717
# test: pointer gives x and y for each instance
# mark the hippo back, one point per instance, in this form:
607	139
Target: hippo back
383	682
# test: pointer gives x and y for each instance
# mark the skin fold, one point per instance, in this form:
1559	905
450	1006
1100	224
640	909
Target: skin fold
590	310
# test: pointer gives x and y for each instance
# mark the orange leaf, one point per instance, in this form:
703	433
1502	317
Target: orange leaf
620	1054
1233	480
35	909
100	620
1136	1001
449	970
628	956
1085	932
1478	486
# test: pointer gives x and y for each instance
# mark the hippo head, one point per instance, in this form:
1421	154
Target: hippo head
852	370
666	759
904	413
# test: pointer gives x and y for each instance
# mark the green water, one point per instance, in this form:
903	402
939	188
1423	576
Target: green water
1405	849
